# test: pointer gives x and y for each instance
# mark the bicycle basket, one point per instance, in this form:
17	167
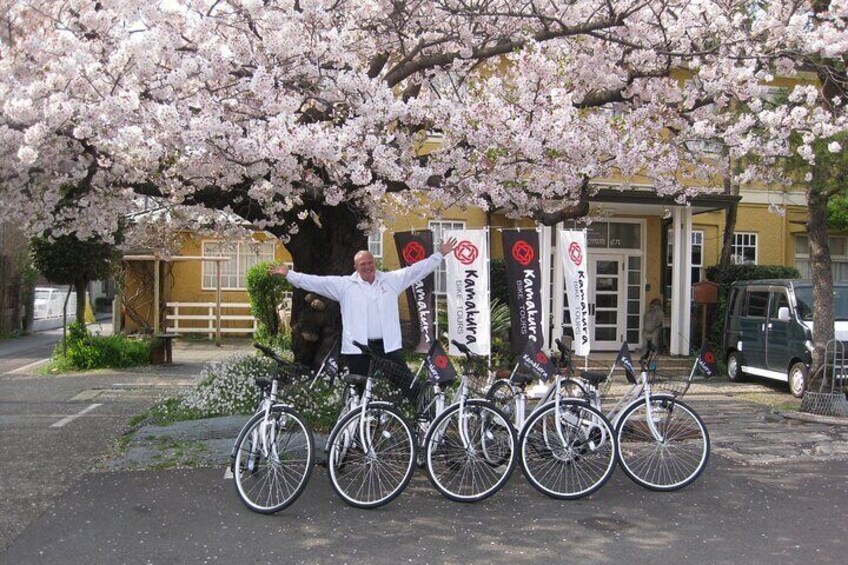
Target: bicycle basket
392	380
668	383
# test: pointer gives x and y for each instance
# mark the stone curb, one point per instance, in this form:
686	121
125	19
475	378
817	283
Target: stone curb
806	417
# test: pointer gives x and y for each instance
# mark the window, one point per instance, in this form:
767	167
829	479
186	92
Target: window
838	256
242	256
375	243
697	259
757	304
438	228
744	248
778	300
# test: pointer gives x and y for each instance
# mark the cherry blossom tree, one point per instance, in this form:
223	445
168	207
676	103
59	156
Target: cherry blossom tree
312	118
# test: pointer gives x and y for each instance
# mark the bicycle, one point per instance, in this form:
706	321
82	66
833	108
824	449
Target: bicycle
663	444
371	449
274	453
567	446
469	448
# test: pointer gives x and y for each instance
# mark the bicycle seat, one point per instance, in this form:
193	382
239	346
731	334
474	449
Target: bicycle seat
353	379
522	380
593	378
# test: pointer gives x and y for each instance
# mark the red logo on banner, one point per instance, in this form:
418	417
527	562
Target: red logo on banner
441	361
575	253
413	252
523	252
466	252
541	358
709	357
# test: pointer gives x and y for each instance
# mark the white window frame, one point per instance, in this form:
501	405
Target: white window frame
697	238
375	243
839	262
438	227
739	244
233	269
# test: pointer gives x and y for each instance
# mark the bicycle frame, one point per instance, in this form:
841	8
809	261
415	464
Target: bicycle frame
640	391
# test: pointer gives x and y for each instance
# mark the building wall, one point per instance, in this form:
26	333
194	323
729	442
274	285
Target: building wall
776	246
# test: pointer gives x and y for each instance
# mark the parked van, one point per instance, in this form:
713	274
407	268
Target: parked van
768	329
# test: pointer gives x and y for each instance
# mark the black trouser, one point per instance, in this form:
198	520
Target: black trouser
360	364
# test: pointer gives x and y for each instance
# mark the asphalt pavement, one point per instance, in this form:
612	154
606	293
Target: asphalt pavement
791	513
774	492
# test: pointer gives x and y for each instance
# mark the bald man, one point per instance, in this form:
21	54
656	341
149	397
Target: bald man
369	303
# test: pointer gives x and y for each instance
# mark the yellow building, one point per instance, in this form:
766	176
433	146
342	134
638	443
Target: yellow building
641	247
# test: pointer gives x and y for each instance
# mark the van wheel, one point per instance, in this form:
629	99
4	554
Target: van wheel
798	379
734	367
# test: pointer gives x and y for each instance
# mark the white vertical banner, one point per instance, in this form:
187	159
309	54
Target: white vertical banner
572	249
467	289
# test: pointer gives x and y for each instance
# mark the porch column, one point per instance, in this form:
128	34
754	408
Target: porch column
545	265
681	279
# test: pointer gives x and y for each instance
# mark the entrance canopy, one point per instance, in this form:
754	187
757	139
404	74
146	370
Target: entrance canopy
617	292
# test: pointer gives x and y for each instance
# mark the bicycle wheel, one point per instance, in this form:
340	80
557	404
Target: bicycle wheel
668	462
502	396
370	471
273	460
570	458
470	454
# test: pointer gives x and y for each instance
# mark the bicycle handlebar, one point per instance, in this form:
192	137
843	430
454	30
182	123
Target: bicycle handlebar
289	365
365	349
462	348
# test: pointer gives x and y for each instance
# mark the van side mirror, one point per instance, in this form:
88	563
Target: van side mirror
783	314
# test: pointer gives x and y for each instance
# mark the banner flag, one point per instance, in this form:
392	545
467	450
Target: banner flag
467	289
707	361
536	361
413	247
523	276
624	359
572	249
438	365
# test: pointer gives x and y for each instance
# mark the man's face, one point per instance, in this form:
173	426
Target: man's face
365	266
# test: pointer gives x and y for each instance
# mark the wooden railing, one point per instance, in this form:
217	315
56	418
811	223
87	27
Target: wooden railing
189	317
195	313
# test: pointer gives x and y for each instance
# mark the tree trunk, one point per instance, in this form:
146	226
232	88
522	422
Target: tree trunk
327	249
28	297
822	275
79	288
729	226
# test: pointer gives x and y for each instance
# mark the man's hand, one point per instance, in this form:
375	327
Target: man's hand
446	247
278	270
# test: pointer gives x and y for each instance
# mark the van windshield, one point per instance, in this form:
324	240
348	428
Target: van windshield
804	297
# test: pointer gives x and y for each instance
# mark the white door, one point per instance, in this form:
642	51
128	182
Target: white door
607	300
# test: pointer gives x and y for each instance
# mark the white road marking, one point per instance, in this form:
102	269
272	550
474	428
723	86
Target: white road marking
69	419
25	367
228	474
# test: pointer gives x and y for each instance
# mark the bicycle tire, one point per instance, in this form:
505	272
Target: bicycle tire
667	465
502	396
269	475
470	474
574	464
370	480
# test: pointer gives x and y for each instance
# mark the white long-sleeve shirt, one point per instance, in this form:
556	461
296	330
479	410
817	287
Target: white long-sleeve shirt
354	296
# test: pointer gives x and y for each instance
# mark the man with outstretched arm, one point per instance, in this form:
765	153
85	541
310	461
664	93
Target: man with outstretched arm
369	304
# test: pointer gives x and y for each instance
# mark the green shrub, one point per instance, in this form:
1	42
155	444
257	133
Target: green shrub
500	287
265	292
83	351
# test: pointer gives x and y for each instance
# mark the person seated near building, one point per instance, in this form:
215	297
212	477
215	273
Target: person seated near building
652	324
